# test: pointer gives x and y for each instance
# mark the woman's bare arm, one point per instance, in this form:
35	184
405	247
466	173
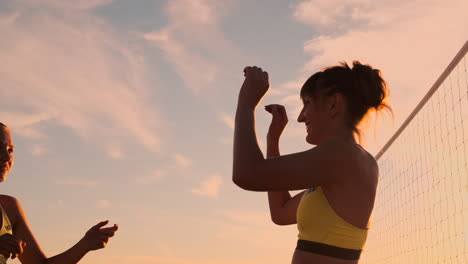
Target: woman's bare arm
325	164
95	238
283	207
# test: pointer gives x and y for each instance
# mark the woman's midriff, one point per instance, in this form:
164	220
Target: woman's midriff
303	257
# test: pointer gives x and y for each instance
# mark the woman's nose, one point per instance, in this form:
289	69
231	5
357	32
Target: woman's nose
300	118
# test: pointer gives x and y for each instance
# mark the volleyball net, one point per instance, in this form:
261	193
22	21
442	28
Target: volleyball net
421	208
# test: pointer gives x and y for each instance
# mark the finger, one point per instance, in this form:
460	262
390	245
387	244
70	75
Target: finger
250	71
15	246
104	238
265	76
258	73
283	113
22	244
10	249
102	244
253	71
246	69
268	108
19	247
99	225
108	232
274	111
275	105
113	228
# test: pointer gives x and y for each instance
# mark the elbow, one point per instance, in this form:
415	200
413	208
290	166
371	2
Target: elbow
241	181
244	181
279	221
276	221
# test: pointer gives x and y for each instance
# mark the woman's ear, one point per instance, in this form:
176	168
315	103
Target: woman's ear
336	104
331	105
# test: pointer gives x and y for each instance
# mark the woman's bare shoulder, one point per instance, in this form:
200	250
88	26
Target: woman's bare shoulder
12	207
366	166
7	200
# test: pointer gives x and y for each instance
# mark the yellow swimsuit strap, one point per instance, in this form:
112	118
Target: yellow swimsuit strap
6	224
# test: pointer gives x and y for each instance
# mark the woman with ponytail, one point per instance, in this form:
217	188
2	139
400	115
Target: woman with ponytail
338	177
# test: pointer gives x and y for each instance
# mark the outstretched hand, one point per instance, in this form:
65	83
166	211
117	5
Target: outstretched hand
11	246
278	122
97	236
255	86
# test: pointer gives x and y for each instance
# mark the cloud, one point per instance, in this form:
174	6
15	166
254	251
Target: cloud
411	47
26	124
193	36
56	205
336	16
76	71
226	140
183	61
115	152
397	47
77	182
152	177
182	160
209	188
79	4
38	150
103	204
227	119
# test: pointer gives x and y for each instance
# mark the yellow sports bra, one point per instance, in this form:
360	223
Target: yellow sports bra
5	229
324	232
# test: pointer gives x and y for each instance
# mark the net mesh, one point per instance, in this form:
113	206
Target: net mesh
421	208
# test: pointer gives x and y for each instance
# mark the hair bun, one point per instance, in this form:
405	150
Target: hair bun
369	84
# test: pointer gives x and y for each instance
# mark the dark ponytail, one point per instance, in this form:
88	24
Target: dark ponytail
363	87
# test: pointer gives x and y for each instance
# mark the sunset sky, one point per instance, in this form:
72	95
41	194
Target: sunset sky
124	110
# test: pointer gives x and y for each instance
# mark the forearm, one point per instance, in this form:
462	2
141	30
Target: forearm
272	147
71	256
276	200
247	153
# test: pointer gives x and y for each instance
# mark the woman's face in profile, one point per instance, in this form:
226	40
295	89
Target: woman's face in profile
310	117
6	153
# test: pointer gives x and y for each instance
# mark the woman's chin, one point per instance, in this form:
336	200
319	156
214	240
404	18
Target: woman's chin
3	177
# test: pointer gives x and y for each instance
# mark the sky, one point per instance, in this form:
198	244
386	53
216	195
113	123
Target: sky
123	110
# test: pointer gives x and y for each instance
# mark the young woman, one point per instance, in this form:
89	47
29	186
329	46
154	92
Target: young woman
17	239
338	175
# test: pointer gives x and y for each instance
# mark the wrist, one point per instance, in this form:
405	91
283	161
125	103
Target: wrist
242	104
273	139
82	247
